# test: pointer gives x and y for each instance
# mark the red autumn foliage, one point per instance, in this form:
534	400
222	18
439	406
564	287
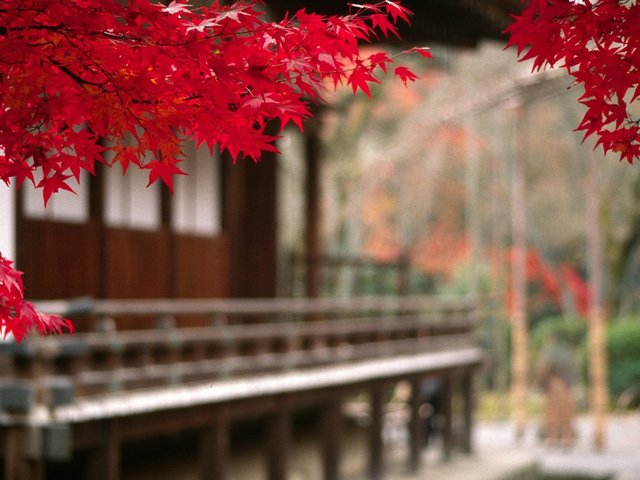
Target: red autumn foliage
597	42
78	77
18	316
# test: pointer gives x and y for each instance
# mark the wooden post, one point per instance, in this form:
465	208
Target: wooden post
416	426
278	445
214	450
597	347
469	401
331	431
376	446
104	461
447	412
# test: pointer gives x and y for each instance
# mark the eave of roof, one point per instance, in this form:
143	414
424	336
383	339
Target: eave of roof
462	23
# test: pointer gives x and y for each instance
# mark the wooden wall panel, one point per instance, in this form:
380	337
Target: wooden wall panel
59	260
201	266
137	264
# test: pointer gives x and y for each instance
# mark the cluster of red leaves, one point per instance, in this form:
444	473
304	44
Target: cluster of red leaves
597	42
142	77
78	77
17	316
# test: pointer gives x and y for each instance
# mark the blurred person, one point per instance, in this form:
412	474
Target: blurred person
557	374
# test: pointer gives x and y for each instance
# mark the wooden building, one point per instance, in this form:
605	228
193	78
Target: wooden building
216	237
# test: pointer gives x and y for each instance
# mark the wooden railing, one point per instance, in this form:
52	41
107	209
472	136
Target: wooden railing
251	355
246	337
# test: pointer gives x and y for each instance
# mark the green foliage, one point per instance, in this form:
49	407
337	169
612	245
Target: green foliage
569	330
623	350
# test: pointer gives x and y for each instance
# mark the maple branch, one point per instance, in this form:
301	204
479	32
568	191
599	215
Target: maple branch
76	78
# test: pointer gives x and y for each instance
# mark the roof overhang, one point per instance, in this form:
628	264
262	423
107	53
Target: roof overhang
462	23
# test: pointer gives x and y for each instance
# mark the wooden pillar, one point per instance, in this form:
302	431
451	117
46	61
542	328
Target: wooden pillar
447	413
104	461
250	220
278	445
331	431
214	450
416	426
468	395
376	446
313	283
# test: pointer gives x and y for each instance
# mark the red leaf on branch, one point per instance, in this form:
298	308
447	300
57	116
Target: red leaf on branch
404	74
595	43
17	316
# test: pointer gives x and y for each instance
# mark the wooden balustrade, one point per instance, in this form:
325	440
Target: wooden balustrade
252	348
105	362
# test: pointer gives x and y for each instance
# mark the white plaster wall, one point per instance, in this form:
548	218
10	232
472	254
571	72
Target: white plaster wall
7	221
63	206
129	203
196	201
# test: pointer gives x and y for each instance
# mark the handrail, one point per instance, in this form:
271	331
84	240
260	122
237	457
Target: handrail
254	306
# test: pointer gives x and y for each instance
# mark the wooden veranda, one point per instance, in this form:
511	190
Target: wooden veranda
84	395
